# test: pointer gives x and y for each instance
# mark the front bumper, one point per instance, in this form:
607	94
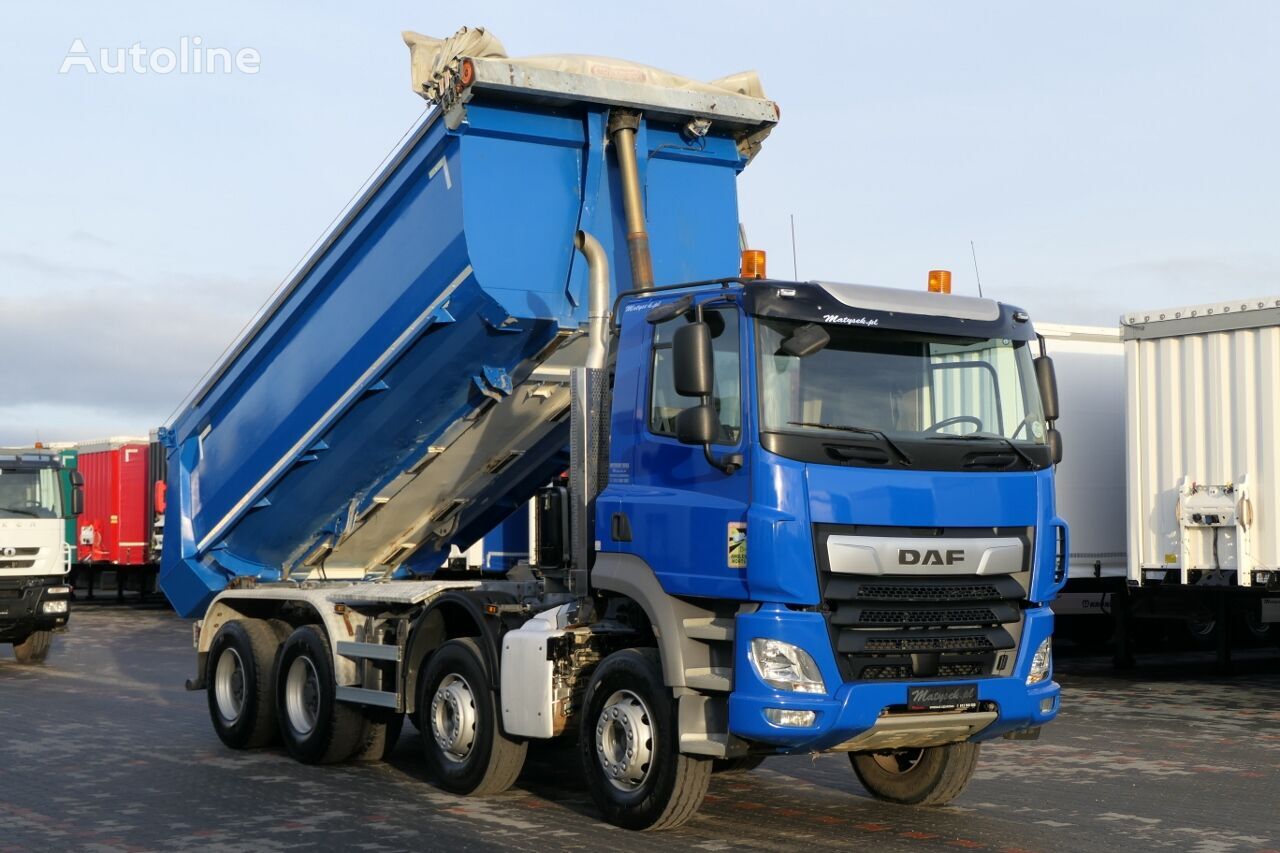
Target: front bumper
871	714
23	607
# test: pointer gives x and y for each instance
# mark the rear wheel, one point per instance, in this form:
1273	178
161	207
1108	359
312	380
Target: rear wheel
34	649
466	750
239	683
926	776
630	746
315	726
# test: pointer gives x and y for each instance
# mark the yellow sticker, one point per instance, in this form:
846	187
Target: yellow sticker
1171	558
115	519
737	545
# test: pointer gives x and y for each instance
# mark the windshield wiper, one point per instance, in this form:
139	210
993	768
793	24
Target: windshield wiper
984	436
19	511
861	430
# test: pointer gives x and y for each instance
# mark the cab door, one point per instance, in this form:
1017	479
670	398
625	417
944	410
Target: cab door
684	516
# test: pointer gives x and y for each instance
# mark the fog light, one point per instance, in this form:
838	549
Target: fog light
1046	705
54	606
790	718
1041	662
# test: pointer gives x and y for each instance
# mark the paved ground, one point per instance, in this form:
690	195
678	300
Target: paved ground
102	749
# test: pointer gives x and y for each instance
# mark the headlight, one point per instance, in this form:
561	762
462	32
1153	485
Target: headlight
785	667
57	606
1042	662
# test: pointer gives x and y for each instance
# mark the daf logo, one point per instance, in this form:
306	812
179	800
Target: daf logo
8	552
931	557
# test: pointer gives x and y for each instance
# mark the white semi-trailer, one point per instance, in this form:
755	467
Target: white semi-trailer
34	558
1203	474
1090	484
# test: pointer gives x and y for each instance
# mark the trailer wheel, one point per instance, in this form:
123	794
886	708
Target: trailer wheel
315	726
630	746
929	776
239	683
466	750
34	649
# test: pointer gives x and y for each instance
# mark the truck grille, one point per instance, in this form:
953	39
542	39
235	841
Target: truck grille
921	626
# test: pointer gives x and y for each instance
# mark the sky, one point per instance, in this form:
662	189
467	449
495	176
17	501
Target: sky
1102	157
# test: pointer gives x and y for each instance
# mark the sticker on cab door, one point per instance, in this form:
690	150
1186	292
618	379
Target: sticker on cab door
737	545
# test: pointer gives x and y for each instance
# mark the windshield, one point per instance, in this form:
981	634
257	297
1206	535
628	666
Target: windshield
901	387
30	493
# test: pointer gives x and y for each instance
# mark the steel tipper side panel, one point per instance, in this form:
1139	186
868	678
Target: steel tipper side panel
1089	482
404	391
1202	408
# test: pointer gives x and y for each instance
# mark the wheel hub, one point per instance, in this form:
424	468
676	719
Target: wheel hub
228	685
302	695
624	740
453	718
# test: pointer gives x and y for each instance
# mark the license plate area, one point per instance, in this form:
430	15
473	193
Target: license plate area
943	697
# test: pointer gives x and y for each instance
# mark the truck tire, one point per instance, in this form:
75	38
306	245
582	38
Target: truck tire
381	732
466	750
238	676
630	746
315	726
734	766
34	649
930	776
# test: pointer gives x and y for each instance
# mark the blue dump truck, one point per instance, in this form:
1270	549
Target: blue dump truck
770	517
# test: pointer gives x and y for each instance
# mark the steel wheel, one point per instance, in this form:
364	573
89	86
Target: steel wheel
624	740
453	718
228	685
302	695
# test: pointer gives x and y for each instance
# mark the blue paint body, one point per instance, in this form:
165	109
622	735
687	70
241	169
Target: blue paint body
456	269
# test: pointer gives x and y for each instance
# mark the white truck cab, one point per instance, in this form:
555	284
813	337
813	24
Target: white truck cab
34	558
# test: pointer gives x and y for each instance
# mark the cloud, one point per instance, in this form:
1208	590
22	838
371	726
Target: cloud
112	359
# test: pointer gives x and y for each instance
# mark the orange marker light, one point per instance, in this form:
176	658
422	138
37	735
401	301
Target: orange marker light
753	264
939	281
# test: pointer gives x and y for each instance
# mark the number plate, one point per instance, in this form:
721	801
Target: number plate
945	697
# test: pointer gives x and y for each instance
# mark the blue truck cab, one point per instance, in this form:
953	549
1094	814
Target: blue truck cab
767	517
889	519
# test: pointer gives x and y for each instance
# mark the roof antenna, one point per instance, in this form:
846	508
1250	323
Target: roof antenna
794	270
976	274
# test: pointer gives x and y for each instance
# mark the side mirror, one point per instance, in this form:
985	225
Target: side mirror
692	362
77	498
697	425
1047	379
77	479
1053	440
806	340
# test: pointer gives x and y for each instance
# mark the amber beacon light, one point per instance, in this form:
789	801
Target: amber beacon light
753	263
939	281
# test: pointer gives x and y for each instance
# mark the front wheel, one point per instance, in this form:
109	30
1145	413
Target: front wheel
630	746
926	776
34	649
466	750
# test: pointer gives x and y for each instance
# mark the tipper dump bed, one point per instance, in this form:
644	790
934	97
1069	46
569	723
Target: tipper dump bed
407	389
